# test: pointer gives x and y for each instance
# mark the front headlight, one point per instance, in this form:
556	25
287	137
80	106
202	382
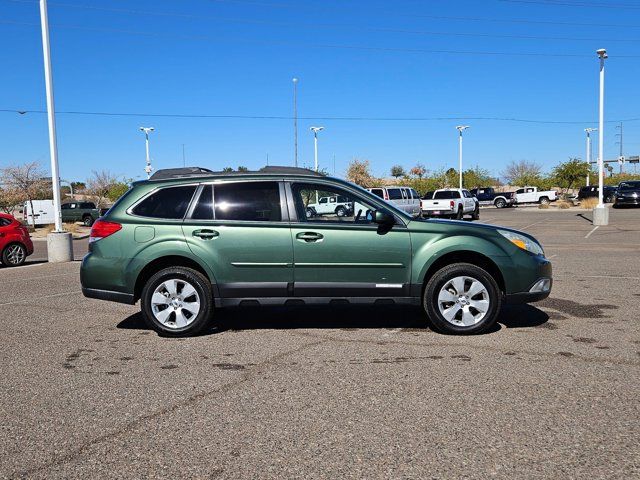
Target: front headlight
522	242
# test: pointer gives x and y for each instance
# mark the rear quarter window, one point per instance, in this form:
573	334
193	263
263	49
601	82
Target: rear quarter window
394	194
166	203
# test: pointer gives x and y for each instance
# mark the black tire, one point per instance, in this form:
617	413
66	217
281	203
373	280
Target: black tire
608	199
202	287
500	203
476	213
309	213
460	214
544	201
87	220
440	279
341	211
14	255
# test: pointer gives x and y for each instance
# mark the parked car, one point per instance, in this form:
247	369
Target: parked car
628	193
488	196
452	203
190	239
85	212
404	198
15	243
590	191
533	195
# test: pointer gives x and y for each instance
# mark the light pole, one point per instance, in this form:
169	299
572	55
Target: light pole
601	213
460	128
59	242
589	130
295	121
148	168
315	131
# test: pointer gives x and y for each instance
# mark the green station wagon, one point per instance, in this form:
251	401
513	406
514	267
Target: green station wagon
190	240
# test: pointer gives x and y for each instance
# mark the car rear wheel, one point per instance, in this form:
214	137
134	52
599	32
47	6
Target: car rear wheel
341	211
476	213
14	255
87	221
500	203
177	301
462	299
608	199
460	214
544	201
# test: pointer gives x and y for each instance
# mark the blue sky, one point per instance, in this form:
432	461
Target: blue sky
373	59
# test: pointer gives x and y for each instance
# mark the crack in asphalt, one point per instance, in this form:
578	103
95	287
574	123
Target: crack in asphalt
246	376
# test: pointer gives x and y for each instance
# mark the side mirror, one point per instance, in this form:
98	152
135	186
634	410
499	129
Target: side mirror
383	217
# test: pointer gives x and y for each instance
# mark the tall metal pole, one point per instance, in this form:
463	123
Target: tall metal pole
603	56
589	152
295	121
460	128
315	131
621	148
184	160
51	116
148	168
601	213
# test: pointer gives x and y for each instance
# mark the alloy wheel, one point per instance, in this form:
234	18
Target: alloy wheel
15	254
175	303
463	301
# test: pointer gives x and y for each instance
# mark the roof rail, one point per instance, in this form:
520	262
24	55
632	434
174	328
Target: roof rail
167	173
289	170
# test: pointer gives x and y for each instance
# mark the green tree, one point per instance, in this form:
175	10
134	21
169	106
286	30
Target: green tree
418	171
118	189
572	172
397	171
243	169
477	177
227	169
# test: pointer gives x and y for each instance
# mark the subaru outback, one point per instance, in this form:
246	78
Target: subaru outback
189	241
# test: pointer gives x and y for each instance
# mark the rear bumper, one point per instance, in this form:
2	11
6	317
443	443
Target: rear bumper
109	295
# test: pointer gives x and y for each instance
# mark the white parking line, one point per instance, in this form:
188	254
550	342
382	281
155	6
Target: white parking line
531	225
40	298
549	258
28	279
594	229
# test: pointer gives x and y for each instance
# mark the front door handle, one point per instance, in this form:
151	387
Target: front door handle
205	234
309	237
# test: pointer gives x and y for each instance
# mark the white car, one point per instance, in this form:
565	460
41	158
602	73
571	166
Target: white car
533	195
334	205
451	202
403	198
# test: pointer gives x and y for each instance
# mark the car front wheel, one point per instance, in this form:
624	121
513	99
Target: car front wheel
462	299
14	255
177	301
500	203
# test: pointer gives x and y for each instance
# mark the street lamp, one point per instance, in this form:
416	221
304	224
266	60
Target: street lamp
315	131
295	121
601	213
148	168
589	130
460	128
59	242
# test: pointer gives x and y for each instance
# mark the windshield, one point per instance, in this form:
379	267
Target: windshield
629	186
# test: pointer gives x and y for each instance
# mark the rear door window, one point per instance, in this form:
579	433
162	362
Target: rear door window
167	203
204	207
394	194
248	201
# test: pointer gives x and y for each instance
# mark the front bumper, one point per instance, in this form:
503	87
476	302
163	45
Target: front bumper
539	284
627	201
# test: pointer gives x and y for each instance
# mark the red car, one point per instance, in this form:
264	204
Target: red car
15	243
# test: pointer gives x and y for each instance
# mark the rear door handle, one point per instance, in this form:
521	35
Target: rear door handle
205	234
309	237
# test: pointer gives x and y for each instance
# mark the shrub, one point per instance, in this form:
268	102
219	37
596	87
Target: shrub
589	203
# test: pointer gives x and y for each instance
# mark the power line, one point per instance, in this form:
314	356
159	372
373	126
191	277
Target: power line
319	117
330	25
318	45
576	4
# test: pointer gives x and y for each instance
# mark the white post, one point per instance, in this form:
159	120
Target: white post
51	116
59	242
315	151
148	168
295	121
460	158
601	213
588	156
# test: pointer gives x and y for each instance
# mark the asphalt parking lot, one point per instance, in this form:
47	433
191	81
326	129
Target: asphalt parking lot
88	391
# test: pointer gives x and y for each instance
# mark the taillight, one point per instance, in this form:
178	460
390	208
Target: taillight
452	204
102	229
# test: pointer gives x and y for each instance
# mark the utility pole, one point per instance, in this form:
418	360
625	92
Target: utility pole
295	121
460	128
601	213
184	161
589	159
59	242
148	168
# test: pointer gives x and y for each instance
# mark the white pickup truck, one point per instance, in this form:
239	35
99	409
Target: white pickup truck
533	195
450	202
